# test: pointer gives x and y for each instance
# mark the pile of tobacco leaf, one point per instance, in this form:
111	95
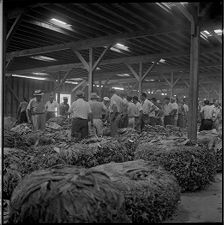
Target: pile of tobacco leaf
193	166
129	138
95	152
151	193
218	153
67	195
22	129
12	139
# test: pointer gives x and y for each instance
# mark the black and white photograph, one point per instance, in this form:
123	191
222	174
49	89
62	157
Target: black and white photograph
111	112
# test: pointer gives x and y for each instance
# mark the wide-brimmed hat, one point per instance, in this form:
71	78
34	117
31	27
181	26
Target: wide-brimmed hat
106	99
80	94
38	92
94	96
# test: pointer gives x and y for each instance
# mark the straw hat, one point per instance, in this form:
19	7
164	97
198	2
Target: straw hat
79	94
94	96
106	99
38	92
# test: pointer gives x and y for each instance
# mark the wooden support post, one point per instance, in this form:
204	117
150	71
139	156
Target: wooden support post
220	93
171	86
150	69
100	89
13	93
193	89
132	71
90	78
140	81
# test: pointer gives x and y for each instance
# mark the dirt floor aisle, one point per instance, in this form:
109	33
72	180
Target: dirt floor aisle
203	206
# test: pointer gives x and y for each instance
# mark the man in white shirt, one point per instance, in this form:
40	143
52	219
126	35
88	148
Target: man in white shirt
166	112
132	112
97	109
147	108
207	114
80	113
152	115
138	117
174	111
51	107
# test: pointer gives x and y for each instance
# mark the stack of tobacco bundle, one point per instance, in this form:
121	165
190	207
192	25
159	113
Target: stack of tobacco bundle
193	166
14	140
151	193
22	129
94	152
67	195
129	138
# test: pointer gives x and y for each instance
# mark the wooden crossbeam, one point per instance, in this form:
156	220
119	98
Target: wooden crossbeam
13	27
13	93
78	86
175	82
167	80
150	69
185	12
80	57
133	71
94	42
129	60
101	56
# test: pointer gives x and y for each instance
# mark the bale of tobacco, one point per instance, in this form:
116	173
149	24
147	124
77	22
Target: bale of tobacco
67	195
9	122
22	129
218	154
151	193
12	139
11	178
96	153
129	137
193	166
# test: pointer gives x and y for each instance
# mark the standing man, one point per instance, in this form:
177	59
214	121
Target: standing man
64	107
21	113
147	108
50	107
36	111
105	114
138	117
119	104
207	114
80	113
114	118
97	109
166	111
152	115
186	111
174	111
132	112
124	114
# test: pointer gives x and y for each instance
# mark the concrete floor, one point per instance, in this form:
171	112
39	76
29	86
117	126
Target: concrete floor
202	206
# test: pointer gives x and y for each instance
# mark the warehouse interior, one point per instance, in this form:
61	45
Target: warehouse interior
164	49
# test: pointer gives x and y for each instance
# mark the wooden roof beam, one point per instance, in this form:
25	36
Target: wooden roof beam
93	42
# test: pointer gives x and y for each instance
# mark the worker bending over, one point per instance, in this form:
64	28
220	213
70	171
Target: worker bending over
21	113
97	109
36	111
80	113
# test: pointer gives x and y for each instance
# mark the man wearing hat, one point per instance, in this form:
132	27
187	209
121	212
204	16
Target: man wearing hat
80	113
64	107
174	111
36	111
97	109
50	106
105	114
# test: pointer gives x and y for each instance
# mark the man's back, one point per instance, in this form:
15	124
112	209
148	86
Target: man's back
80	109
119	102
132	109
97	109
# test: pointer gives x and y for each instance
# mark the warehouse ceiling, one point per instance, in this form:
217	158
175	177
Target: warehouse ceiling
45	35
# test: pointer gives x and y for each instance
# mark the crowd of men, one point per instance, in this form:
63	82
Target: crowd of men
115	112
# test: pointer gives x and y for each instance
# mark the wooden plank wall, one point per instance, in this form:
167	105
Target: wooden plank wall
22	87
